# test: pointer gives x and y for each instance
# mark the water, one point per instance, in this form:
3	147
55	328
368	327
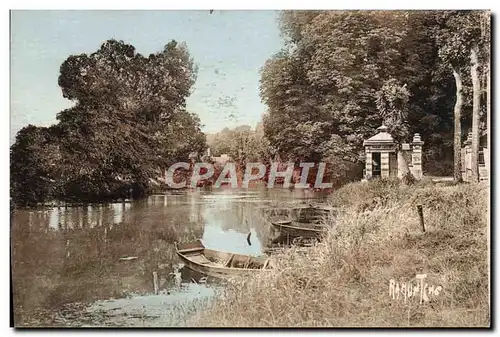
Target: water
93	265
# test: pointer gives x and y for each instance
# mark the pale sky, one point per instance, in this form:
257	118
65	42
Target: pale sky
229	48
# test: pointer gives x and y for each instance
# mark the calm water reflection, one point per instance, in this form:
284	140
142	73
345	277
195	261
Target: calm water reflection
72	254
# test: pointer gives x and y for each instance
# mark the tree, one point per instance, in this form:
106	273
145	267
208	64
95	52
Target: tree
181	137
33	159
486	39
128	121
458	37
457	148
128	107
392	103
484	54
476	97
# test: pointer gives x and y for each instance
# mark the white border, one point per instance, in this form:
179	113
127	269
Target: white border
256	4
185	4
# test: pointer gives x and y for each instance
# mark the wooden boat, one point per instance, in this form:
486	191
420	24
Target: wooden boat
220	264
314	213
323	208
279	249
292	229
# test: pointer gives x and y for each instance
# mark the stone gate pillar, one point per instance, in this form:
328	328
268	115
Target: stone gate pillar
368	164
416	158
384	164
486	156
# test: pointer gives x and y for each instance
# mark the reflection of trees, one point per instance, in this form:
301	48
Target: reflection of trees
81	262
241	217
231	219
259	222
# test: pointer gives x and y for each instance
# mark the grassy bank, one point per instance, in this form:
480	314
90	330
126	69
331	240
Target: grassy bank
344	281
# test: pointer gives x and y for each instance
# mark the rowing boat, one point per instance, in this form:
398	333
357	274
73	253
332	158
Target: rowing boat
280	249
315	213
287	228
303	213
218	263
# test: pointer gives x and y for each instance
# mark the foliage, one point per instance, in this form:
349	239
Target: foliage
342	73
409	179
392	103
129	121
33	160
241	143
182	137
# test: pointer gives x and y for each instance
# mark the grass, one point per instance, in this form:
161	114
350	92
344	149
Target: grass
376	237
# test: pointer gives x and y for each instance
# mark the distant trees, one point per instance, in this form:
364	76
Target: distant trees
129	121
241	143
342	73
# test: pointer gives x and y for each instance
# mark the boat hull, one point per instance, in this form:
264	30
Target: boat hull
222	264
286	229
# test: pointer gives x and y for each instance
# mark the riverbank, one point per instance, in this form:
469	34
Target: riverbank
66	262
374	250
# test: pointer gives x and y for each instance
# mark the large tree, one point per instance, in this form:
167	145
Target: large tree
125	103
129	120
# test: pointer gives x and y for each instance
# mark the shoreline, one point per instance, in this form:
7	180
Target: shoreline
346	280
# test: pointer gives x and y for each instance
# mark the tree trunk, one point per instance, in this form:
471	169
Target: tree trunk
476	101
487	33
488	103
485	36
457	140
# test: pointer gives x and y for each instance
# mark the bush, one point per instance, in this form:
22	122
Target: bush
409	179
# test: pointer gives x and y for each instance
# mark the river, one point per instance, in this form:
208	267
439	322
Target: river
93	265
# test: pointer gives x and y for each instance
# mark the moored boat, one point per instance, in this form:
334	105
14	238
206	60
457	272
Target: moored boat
220	264
305	213
287	228
282	249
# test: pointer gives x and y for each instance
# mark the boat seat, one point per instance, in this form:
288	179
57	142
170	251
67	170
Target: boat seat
266	263
283	222
201	259
247	262
228	262
192	250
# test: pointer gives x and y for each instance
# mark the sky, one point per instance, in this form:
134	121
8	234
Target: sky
229	47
